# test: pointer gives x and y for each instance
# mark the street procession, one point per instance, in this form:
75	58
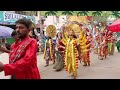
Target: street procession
59	44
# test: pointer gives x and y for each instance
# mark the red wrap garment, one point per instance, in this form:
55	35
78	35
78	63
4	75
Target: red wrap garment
61	48
25	65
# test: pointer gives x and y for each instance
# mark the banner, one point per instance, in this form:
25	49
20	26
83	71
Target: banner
11	18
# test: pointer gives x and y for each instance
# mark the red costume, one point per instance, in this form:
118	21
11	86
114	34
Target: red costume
110	40
23	60
61	48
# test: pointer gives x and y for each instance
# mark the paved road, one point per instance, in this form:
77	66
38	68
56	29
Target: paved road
4	59
99	69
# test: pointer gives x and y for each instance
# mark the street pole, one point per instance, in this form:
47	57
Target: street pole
41	36
40	21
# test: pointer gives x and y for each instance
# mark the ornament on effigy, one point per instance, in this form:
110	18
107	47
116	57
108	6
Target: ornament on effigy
74	27
83	43
85	50
81	35
85	46
83	38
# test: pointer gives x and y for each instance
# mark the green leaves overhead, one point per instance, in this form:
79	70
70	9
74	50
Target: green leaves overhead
67	12
81	13
51	13
116	14
97	13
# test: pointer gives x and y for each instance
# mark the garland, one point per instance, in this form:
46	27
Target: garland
74	55
45	50
84	47
51	51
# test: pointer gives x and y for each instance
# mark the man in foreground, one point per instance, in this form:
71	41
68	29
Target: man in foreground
23	54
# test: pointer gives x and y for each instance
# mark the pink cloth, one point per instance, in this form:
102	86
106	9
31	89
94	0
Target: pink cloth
115	26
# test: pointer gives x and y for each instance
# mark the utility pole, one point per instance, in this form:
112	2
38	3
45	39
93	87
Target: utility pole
40	20
41	36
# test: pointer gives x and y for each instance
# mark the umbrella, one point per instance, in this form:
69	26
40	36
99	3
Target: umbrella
5	32
115	26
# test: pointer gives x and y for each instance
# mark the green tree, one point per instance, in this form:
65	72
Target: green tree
52	13
106	13
67	12
116	14
83	13
97	13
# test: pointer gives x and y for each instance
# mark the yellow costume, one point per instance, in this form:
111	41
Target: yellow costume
71	51
51	50
71	55
84	47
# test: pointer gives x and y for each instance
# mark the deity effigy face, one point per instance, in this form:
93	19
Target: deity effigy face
71	33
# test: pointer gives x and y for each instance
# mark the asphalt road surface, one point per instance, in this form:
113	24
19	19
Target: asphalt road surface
99	69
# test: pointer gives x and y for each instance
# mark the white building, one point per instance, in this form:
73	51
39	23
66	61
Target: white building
57	21
10	11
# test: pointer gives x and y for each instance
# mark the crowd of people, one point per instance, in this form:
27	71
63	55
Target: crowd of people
22	53
66	53
98	40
